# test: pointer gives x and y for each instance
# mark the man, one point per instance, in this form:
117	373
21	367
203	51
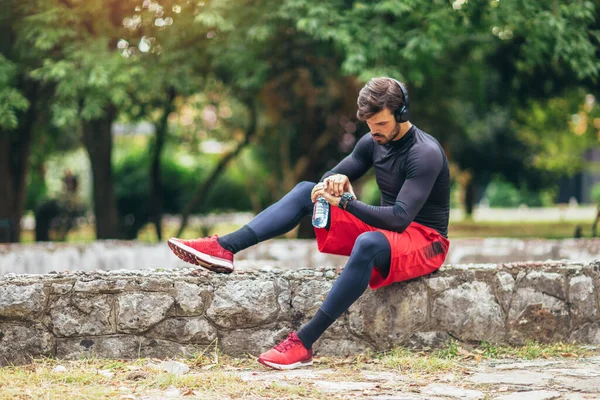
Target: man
404	238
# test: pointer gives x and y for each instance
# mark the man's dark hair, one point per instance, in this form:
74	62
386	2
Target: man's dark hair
377	94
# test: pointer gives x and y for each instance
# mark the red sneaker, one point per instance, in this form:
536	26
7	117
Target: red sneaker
206	252
288	354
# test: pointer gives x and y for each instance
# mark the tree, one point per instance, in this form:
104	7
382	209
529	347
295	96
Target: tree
93	82
23	101
471	65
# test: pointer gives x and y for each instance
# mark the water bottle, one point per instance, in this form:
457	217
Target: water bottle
320	213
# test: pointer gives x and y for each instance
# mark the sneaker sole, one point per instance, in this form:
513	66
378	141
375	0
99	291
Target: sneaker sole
281	367
192	256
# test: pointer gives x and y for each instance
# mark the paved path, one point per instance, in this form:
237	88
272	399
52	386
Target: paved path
498	380
562	379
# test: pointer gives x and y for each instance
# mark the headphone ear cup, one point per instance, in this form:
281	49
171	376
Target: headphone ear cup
400	114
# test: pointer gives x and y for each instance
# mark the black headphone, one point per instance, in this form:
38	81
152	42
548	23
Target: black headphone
401	114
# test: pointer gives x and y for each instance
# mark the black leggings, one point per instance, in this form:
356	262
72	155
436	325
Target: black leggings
370	249
284	215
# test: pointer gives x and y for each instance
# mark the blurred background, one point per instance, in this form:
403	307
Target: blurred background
143	119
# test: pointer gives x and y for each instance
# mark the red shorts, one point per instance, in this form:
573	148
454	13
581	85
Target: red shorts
417	251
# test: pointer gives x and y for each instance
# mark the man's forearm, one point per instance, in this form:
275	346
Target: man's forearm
392	218
327	174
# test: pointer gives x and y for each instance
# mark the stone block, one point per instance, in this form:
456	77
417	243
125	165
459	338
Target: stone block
534	315
582	299
122	346
251	341
61	288
388	315
441	283
155	284
192	298
101	285
427	340
284	298
196	330
587	333
308	296
20	342
505	285
82	314
551	283
469	312
136	312
341	347
23	302
244	304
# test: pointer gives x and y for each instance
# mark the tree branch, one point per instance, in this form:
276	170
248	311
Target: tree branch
202	192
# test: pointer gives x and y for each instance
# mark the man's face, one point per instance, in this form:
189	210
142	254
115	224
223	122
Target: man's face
383	127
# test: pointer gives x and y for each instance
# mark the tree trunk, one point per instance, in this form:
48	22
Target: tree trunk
595	224
14	155
15	149
470	198
97	138
156	186
202	192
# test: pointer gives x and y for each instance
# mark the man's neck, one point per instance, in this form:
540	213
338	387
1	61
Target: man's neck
404	127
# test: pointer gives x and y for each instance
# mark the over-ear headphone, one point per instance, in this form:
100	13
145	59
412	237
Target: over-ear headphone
401	114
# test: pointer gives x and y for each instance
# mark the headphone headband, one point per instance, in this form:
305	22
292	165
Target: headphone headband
401	114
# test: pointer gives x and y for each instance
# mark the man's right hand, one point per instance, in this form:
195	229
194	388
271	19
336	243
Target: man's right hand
337	184
313	193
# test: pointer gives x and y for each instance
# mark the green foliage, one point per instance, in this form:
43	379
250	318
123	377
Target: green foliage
179	183
11	99
559	130
370	193
449	351
500	193
595	194
37	190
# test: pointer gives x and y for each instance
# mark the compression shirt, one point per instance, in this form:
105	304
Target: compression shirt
412	175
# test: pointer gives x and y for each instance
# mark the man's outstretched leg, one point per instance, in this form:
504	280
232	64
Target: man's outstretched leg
216	253
370	249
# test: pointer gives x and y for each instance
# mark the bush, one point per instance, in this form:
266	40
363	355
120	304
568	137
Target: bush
55	218
595	193
370	193
180	182
500	193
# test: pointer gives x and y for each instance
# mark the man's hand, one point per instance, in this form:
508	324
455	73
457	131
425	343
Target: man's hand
319	190
337	184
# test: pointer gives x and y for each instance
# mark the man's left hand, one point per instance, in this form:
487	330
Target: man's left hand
331	199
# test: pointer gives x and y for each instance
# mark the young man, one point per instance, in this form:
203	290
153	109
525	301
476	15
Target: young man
403	238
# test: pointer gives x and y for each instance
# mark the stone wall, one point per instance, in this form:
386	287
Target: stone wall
128	314
39	258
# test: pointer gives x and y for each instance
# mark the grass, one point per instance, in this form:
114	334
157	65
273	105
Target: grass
547	230
213	375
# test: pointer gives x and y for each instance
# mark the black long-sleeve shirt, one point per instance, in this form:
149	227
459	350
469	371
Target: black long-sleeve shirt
412	175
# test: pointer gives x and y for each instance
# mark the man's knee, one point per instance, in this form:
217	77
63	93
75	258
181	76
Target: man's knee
370	243
305	187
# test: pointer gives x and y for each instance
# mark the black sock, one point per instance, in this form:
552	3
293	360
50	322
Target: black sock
239	240
315	328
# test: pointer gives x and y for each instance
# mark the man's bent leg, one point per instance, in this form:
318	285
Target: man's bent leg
370	249
216	253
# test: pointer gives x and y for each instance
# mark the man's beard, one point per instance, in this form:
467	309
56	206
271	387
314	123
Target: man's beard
385	140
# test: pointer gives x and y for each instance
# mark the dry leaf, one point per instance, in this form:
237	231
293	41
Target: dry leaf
568	354
464	353
478	357
188	392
